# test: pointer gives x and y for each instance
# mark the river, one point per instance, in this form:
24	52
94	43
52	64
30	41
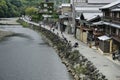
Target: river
28	57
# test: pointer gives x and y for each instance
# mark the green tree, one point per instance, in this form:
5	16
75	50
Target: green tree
31	11
13	8
3	8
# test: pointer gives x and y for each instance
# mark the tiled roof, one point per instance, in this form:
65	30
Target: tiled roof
107	23
86	8
89	16
110	5
94	16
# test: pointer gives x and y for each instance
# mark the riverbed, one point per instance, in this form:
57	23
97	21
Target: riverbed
27	57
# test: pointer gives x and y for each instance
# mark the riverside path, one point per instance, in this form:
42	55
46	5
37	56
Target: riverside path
108	68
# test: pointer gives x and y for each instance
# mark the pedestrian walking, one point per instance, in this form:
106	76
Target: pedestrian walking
113	55
75	45
53	29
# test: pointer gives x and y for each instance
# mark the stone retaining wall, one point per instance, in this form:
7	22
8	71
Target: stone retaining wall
79	66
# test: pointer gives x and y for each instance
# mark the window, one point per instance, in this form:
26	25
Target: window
50	11
115	15
119	33
119	14
111	14
107	30
107	13
45	5
50	7
118	5
45	10
113	31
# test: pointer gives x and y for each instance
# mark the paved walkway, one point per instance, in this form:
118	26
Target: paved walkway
110	69
106	66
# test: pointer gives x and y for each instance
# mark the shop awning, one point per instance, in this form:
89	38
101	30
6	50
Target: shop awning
104	37
98	23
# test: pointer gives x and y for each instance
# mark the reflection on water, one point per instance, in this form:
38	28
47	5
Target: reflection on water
29	58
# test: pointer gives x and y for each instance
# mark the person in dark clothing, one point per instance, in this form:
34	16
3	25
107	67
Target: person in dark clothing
75	45
53	29
113	55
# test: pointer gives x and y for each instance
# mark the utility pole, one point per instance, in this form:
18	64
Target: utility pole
73	19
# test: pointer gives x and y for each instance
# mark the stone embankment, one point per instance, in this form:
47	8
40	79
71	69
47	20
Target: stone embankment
77	64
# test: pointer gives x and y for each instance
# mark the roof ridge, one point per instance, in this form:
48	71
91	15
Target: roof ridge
111	4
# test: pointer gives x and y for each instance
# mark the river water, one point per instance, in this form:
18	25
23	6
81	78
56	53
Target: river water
28	57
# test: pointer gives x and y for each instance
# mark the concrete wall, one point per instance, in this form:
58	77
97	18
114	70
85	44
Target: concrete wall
65	10
104	46
83	36
78	34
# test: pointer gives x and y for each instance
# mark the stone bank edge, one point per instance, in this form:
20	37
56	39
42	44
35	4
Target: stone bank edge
79	66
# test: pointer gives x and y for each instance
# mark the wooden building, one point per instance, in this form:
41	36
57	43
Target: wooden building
66	17
111	21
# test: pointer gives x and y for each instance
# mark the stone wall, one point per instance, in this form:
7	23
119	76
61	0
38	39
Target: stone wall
79	66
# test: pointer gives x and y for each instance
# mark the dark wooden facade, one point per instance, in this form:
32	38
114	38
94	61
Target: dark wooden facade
111	15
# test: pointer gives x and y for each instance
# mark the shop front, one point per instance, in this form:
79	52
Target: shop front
104	44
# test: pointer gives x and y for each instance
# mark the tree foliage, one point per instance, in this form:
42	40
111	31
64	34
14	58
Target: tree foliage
15	8
31	10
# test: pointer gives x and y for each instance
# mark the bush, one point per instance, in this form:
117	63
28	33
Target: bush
74	55
24	24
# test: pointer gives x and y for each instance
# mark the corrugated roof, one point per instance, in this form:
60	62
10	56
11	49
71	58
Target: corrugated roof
65	5
104	37
98	23
86	8
100	1
110	5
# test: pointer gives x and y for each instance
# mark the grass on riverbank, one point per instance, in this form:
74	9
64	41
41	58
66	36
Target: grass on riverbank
23	23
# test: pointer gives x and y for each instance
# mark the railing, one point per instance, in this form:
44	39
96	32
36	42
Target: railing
111	19
116	37
86	28
98	32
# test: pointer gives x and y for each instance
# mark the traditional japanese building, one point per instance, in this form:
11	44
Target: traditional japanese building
89	9
46	9
65	17
111	22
